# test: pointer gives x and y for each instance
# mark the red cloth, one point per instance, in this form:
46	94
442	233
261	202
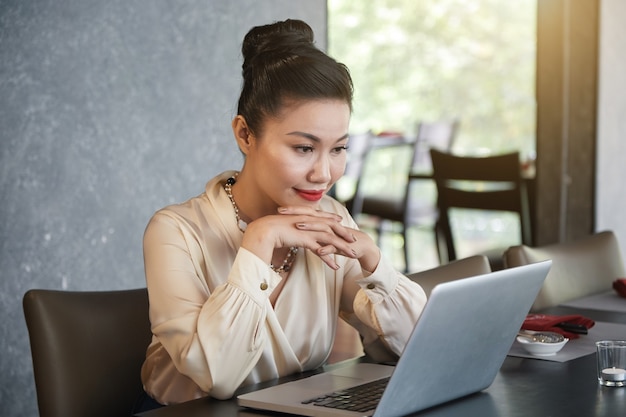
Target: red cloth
619	285
544	322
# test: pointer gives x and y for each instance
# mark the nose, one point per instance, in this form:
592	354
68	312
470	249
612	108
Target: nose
320	171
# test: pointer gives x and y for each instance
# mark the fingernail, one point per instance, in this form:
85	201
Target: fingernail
282	209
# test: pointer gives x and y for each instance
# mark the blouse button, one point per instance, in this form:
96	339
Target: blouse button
371	286
263	286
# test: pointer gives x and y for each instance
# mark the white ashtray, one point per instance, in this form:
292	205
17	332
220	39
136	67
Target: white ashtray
538	348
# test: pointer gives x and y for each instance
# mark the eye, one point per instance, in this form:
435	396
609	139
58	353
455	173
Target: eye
340	149
304	148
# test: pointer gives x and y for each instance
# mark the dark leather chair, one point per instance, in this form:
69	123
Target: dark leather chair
87	350
458	269
581	267
492	183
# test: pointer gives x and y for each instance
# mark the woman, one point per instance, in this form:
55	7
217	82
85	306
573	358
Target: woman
248	279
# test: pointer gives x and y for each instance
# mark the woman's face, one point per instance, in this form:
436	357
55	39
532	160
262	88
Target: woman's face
300	154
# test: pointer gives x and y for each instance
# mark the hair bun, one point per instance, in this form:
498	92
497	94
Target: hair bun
281	64
275	37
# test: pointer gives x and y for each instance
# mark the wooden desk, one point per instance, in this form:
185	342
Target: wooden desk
522	388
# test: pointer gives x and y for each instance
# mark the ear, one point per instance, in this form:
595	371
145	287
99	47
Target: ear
242	133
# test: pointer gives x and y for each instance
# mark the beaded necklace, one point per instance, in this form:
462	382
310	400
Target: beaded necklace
291	255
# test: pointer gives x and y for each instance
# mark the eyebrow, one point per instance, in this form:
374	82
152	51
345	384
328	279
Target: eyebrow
313	137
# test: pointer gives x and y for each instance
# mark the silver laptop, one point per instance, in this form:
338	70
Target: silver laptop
455	349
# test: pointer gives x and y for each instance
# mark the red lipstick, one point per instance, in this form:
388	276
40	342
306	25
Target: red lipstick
310	195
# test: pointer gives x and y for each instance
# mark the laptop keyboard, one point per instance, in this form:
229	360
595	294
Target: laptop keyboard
358	398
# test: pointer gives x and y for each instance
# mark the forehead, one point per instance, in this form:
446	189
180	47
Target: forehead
326	115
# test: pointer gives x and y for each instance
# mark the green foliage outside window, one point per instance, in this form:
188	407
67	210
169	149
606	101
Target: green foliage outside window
418	60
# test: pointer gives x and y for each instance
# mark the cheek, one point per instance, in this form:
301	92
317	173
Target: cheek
338	167
287	172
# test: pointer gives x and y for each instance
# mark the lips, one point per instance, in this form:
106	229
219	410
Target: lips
310	195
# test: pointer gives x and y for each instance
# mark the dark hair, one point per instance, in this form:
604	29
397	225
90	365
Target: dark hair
282	63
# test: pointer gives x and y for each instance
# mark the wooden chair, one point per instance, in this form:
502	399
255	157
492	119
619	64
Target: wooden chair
403	207
579	268
491	183
87	350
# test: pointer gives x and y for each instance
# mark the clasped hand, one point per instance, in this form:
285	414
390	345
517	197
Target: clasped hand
319	231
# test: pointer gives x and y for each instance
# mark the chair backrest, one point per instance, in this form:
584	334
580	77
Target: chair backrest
439	135
486	183
419	201
461	268
358	146
384	169
404	156
579	268
87	350
349	189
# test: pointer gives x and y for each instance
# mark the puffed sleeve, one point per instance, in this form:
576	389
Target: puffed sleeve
214	336
390	304
383	305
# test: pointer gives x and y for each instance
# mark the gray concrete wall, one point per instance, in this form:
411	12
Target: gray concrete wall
109	110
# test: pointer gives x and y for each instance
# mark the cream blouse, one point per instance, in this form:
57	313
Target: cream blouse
214	328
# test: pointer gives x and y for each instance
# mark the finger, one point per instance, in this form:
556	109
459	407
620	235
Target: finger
301	210
331	249
328	239
330	261
345	233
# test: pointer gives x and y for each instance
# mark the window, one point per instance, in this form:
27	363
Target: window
427	60
415	61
